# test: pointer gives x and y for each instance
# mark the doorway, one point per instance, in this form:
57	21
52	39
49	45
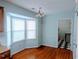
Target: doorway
64	33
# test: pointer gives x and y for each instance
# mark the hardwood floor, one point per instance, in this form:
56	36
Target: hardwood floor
44	53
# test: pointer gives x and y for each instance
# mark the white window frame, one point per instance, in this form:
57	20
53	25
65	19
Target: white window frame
30	30
25	27
16	30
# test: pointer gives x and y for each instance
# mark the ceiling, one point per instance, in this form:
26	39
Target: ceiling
48	6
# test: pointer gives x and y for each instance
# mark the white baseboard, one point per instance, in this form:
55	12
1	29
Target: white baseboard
32	47
23	49
50	45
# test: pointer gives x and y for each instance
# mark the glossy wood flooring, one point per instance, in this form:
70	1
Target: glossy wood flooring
44	53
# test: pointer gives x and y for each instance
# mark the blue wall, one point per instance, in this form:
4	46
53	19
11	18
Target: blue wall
50	27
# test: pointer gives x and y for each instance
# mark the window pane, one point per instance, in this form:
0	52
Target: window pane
31	24
18	24
18	36
18	29
31	34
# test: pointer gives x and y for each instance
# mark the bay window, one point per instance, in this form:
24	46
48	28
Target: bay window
19	28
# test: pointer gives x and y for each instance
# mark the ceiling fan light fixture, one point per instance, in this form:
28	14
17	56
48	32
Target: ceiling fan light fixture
40	13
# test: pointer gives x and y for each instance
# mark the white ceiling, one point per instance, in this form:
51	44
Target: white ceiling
49	6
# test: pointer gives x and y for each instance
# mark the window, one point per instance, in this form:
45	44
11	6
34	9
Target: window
31	29
19	28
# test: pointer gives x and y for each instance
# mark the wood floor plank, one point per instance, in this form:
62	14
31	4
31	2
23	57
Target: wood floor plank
44	53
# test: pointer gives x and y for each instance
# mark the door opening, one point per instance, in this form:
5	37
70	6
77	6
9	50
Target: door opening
64	33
